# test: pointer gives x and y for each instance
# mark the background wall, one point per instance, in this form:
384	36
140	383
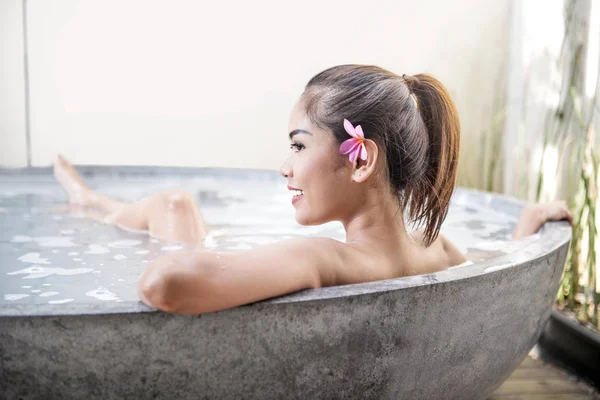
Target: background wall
13	147
212	83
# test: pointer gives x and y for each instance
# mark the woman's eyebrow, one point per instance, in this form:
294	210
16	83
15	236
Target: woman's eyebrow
297	132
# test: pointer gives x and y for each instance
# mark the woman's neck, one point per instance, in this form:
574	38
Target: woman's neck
380	220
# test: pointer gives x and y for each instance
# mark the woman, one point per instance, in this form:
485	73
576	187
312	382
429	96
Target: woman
368	148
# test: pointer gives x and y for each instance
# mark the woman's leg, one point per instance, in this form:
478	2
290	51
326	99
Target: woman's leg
172	215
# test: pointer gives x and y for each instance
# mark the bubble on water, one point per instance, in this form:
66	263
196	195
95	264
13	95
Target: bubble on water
55	251
73	253
123	244
171	248
77	259
33	258
21	239
36	271
46	284
54	241
102	294
67	232
48	294
496	268
63	301
26	287
13	297
36	291
142	252
120	257
96	249
210	242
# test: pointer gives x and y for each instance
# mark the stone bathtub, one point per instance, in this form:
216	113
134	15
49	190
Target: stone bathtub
71	325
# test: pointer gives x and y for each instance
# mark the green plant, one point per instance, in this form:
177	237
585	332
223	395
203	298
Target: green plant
570	129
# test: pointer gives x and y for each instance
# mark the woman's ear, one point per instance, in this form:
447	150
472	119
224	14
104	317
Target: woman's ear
363	169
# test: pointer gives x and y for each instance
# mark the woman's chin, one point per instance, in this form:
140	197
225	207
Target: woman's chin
307	220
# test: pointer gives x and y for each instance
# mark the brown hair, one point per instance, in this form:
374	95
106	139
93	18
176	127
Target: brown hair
411	118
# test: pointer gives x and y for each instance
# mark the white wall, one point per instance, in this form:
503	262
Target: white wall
13	149
212	83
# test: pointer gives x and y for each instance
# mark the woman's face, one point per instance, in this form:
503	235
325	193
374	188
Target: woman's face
318	176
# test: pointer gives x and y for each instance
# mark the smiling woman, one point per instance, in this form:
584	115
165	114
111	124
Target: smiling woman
369	147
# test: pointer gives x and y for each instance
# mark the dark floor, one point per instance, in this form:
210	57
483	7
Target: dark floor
535	379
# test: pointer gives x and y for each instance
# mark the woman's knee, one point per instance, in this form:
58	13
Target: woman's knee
178	201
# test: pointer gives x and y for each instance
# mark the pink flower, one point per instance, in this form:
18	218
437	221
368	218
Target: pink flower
355	145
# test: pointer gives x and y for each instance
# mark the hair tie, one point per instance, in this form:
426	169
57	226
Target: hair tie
410	81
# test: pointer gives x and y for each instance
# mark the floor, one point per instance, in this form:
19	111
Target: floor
535	379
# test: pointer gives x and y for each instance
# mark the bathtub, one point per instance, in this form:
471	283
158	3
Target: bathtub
456	334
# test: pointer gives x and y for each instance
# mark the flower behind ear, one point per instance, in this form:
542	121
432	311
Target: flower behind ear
356	145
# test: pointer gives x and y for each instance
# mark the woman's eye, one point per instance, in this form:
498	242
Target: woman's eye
296	147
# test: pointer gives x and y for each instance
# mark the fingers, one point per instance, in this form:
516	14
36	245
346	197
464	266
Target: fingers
557	211
533	217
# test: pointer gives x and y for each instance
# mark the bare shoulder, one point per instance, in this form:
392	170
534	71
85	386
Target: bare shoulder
455	256
443	251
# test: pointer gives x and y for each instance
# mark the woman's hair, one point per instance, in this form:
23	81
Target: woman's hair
411	118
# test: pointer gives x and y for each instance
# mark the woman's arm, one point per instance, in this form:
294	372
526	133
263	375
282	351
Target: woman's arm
535	215
199	282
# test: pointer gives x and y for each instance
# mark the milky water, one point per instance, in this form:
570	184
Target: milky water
52	254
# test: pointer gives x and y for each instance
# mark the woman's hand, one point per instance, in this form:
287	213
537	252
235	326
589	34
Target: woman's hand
535	215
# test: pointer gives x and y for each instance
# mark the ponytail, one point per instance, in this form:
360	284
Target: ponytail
429	198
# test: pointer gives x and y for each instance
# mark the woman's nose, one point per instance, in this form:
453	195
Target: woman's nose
286	169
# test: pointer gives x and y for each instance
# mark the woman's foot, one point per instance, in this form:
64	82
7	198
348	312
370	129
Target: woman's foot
71	182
